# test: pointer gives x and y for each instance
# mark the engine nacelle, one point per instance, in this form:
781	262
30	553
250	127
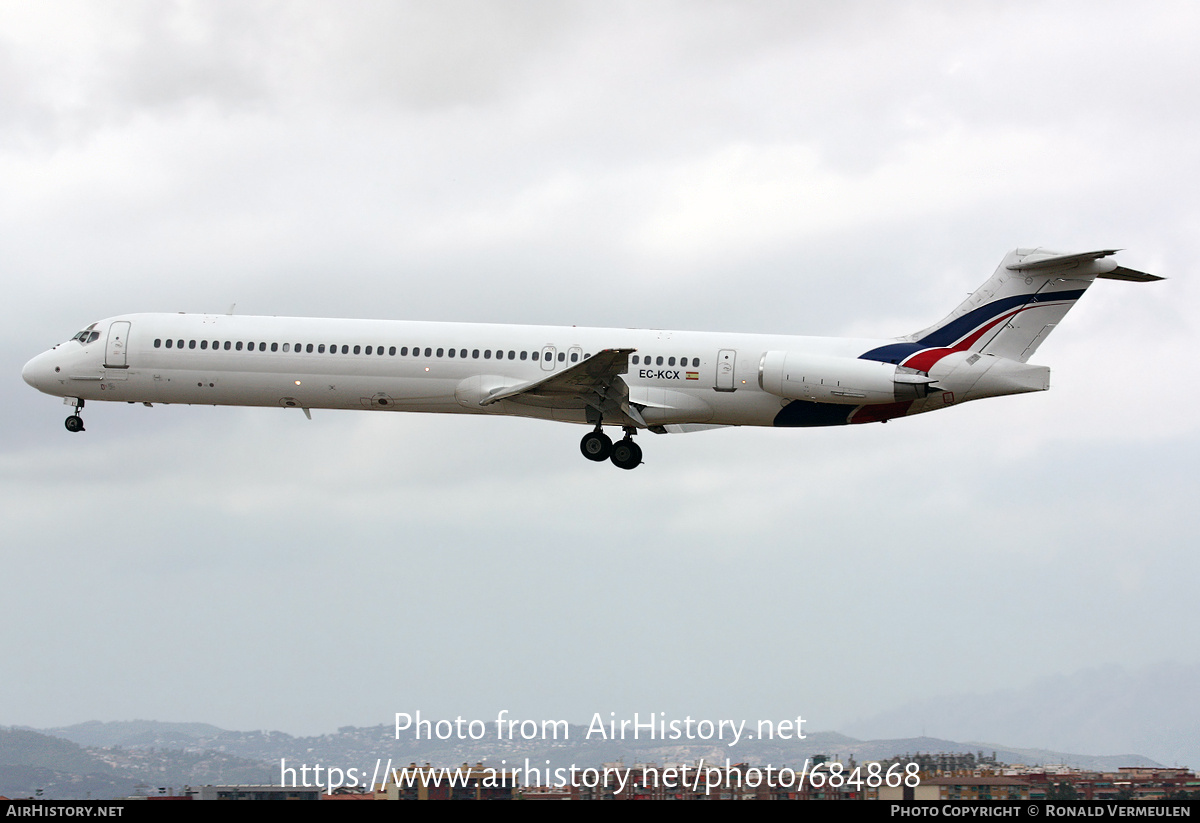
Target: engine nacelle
845	380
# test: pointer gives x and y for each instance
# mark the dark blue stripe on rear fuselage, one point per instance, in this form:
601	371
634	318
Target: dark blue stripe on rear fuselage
805	413
893	352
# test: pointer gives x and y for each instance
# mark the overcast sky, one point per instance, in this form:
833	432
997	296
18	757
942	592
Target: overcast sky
808	168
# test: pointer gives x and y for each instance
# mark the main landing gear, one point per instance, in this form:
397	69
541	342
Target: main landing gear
624	454
74	423
596	445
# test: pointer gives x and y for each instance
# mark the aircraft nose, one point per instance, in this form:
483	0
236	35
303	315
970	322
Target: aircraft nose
37	372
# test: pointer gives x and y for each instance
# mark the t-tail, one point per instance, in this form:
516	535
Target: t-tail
1013	312
981	349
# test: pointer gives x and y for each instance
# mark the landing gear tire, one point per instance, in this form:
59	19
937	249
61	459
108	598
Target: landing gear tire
626	454
596	446
74	423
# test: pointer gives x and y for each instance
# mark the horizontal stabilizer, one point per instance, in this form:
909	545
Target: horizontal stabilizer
1132	275
1028	264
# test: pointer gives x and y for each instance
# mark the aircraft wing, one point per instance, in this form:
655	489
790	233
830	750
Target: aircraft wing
595	382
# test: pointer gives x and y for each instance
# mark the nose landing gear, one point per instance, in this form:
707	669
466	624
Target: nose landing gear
74	423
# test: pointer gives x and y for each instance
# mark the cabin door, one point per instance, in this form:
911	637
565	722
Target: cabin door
726	360
114	349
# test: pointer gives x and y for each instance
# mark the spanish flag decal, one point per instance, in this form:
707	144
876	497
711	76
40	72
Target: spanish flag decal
693	375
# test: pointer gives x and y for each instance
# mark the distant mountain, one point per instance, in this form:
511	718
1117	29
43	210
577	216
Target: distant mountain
31	761
132	733
1107	710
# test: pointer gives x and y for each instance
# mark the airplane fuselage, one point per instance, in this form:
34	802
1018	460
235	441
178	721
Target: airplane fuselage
635	379
680	377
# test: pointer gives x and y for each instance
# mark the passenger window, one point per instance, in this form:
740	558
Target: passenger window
524	355
169	342
203	345
286	347
574	357
367	350
428	352
475	354
239	345
357	349
658	362
274	347
158	342
179	344
440	352
512	355
452	352
392	351
487	354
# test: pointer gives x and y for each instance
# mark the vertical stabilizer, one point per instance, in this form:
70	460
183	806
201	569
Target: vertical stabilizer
1013	312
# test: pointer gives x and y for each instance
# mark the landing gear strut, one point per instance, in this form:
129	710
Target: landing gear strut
74	423
596	445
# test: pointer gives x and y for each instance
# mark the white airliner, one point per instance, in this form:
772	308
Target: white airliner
664	381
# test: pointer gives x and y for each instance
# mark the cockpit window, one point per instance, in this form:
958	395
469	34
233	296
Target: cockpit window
87	336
